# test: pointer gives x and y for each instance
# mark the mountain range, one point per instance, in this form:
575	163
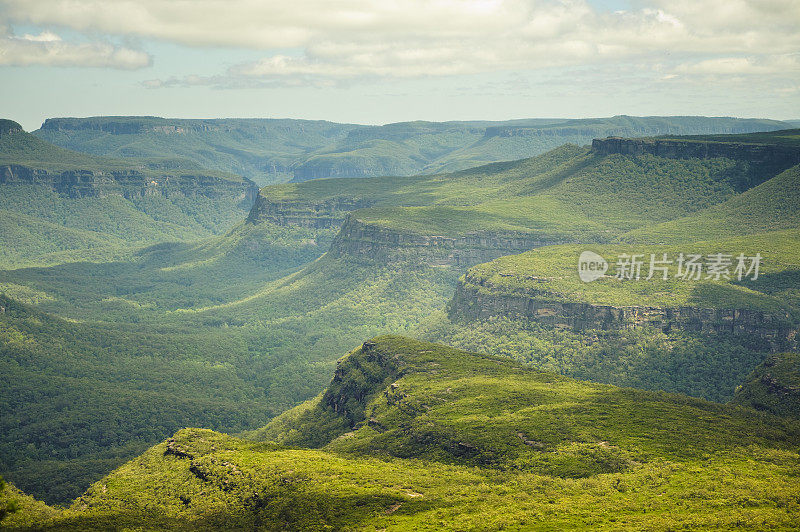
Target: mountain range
490	388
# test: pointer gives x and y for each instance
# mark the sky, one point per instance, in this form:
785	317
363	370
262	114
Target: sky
380	61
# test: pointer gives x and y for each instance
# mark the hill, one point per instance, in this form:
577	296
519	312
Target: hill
432	437
271	150
569	194
57	201
774	386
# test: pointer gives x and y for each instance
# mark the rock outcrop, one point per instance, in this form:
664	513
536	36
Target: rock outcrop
772	158
324	214
387	245
476	299
127	183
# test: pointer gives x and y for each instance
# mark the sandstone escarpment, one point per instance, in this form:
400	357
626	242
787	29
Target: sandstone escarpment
324	214
769	157
361	240
135	125
477	299
127	183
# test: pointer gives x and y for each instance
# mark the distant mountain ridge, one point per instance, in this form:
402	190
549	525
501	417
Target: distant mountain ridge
278	150
55	199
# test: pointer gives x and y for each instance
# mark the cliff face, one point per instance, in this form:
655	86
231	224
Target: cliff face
476	299
126	183
767	156
324	214
133	126
372	242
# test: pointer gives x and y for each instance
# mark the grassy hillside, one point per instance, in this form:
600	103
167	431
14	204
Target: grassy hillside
771	206
568	194
552	273
19	147
439	438
18	510
167	335
759	220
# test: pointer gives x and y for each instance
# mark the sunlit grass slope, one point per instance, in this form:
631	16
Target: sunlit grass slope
430	437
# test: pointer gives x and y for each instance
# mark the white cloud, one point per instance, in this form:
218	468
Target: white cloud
357	39
45	36
48	49
788	64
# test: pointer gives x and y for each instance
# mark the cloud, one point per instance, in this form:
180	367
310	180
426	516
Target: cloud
743	66
324	42
48	49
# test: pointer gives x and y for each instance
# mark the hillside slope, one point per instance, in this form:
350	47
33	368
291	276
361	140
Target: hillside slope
652	333
494	445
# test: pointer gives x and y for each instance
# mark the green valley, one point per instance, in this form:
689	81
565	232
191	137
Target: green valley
228	332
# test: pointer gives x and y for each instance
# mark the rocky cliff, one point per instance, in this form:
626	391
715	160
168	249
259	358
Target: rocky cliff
323	214
386	245
769	157
477	299
135	125
127	183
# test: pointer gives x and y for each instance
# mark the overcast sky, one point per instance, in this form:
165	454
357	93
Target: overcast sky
378	61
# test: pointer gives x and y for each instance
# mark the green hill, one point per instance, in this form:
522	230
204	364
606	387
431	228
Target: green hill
433	437
568	194
771	206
